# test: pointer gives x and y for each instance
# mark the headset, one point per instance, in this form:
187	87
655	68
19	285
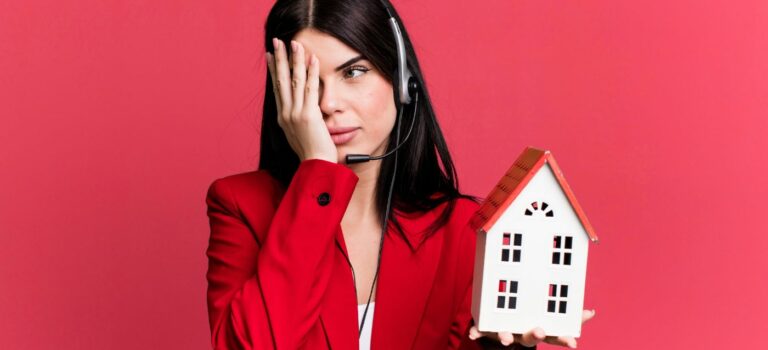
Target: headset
405	86
406	89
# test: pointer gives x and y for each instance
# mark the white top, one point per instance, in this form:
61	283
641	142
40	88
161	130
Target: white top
365	337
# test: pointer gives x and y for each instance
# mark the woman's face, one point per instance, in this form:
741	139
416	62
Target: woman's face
353	96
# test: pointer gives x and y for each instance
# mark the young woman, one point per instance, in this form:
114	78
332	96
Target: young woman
306	250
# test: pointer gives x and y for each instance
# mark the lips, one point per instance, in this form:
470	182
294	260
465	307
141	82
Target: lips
342	135
341	130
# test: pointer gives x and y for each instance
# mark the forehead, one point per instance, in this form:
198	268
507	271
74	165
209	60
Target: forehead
329	50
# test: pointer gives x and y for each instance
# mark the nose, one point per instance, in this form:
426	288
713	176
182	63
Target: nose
329	101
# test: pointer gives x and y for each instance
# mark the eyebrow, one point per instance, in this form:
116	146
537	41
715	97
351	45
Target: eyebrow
348	63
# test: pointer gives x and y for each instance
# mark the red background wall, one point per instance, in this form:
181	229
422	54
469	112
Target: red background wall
117	115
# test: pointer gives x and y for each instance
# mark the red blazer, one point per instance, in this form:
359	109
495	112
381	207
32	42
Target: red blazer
278	277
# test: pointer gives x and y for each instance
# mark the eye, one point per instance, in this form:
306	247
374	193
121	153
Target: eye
353	69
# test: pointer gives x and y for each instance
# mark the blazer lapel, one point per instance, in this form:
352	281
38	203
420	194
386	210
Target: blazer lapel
339	312
408	267
407	270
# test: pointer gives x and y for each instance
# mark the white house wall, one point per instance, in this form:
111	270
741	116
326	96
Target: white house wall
478	276
535	272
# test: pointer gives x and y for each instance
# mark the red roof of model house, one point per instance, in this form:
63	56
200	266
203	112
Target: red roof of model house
513	182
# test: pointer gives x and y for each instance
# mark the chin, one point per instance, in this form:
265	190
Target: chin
342	156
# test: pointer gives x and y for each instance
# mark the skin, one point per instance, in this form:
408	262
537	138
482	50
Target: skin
312	95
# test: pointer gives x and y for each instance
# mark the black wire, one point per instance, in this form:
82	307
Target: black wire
413	121
386	216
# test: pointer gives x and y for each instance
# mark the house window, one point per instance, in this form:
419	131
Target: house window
534	207
508	245
556	300
562	250
506	298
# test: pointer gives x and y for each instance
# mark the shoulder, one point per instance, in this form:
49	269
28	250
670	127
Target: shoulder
249	198
459	229
463	210
455	224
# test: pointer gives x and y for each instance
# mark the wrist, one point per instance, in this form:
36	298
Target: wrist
320	157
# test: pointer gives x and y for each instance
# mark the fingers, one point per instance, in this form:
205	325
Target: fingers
313	83
273	78
506	338
531	337
587	315
562	341
283	73
571	342
299	78
304	128
474	333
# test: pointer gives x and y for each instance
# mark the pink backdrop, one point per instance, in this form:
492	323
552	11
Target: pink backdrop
117	115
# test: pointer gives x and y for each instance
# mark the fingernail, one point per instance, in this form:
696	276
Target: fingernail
293	45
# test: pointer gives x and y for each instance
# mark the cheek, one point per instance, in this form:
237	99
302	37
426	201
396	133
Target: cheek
381	108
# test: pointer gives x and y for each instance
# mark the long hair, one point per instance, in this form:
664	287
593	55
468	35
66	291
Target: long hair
425	177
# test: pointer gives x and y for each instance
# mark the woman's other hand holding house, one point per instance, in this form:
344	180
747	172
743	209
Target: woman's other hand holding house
532	337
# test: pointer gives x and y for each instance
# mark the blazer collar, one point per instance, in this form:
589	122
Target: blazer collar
415	225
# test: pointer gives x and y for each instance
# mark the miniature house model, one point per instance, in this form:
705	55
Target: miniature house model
531	255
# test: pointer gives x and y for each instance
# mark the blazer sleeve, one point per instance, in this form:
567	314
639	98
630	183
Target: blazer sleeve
267	294
462	322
